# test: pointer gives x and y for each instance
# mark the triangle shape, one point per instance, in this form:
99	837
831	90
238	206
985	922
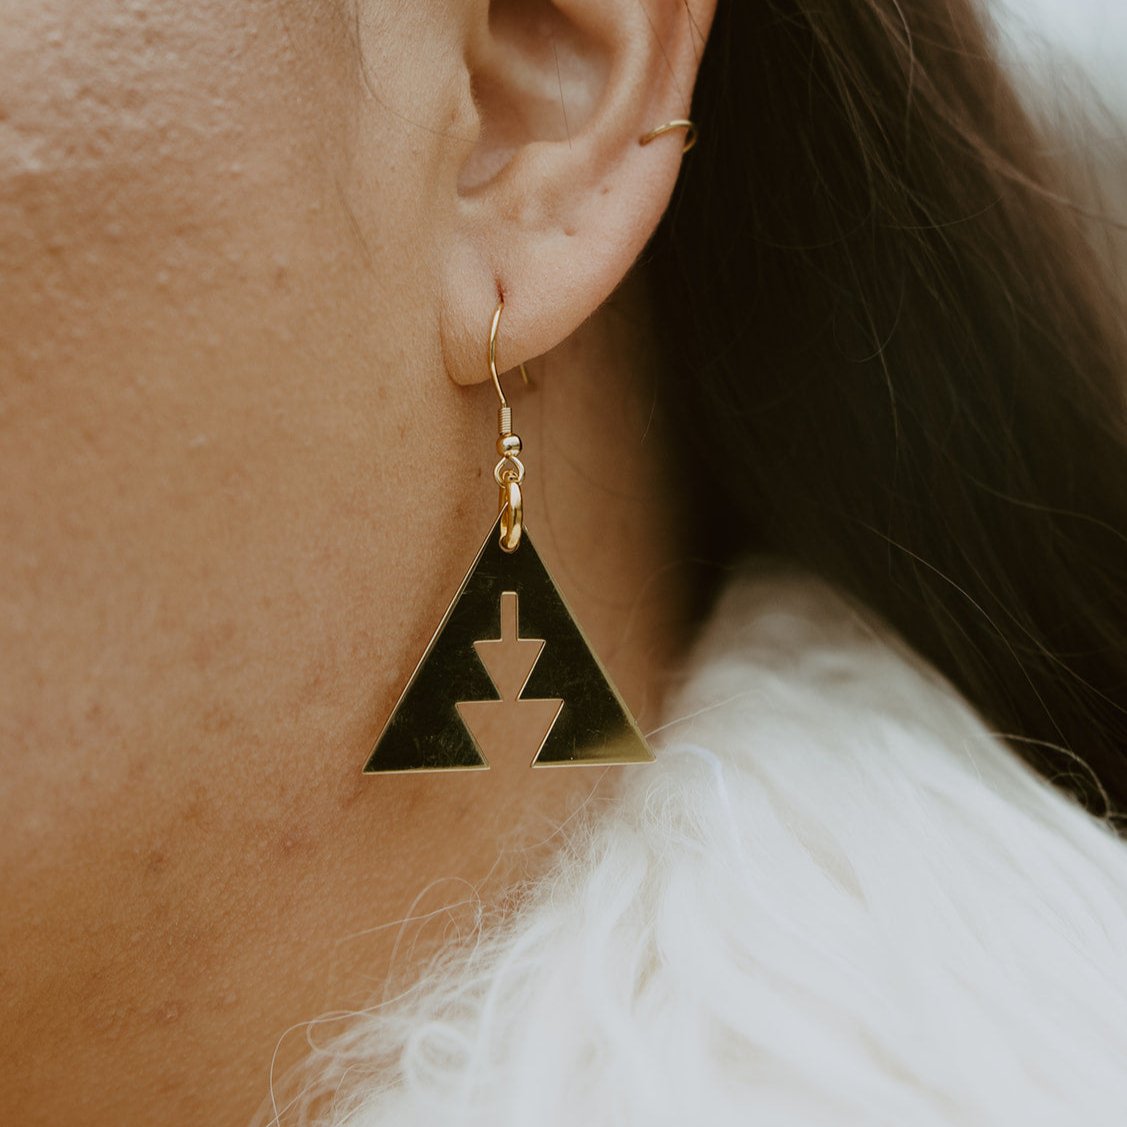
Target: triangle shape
425	731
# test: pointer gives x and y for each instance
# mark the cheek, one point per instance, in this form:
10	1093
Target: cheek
150	154
193	308
214	413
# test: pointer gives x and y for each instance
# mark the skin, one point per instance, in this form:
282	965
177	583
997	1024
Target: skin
248	257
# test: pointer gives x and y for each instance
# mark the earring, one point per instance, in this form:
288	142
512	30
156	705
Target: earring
668	127
507	600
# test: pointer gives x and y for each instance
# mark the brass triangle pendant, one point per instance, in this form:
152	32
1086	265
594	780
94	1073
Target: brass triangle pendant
507	599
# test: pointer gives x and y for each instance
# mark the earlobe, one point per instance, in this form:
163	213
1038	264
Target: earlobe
559	196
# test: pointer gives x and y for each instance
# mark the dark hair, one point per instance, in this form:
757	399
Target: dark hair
903	366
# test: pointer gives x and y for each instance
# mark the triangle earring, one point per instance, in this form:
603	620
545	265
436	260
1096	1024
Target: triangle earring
507	636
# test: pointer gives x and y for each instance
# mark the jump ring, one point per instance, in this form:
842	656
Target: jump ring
512	515
509	468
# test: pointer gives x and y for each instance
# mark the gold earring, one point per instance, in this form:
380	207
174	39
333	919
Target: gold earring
668	127
443	720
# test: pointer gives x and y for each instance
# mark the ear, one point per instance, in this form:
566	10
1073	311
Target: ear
557	197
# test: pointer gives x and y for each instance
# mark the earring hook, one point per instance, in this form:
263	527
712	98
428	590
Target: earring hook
493	350
509	471
493	353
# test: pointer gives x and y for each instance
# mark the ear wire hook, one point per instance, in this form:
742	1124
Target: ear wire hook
509	471
493	353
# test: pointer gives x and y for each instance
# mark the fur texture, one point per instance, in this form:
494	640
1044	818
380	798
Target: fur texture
836	899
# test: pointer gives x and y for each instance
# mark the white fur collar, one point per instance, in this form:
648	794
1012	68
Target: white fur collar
836	899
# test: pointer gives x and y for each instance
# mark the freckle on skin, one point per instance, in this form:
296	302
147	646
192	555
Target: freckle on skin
195	811
154	861
216	720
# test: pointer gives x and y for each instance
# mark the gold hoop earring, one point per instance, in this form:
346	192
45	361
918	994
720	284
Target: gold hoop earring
442	721
668	127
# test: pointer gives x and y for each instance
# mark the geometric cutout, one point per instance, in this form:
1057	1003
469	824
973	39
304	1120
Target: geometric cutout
462	669
497	725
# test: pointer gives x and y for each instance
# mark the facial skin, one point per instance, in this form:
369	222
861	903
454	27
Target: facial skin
248	257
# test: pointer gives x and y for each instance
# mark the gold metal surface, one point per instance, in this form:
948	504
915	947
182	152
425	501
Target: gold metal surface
509	471
507	599
512	515
668	127
506	421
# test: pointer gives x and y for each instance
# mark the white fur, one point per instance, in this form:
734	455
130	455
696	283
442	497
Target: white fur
835	899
